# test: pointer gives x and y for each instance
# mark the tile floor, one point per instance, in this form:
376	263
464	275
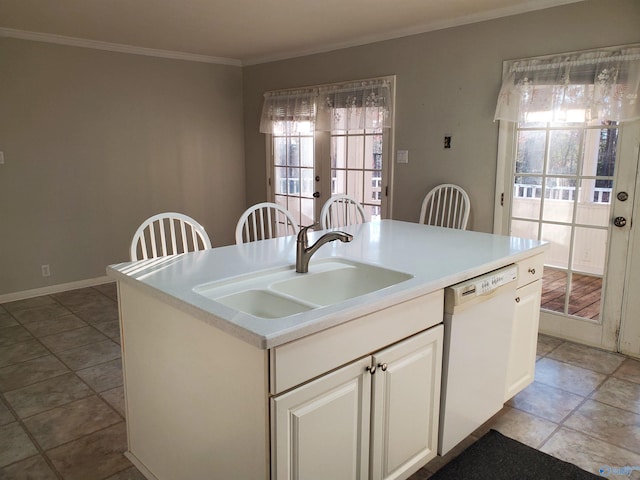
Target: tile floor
62	415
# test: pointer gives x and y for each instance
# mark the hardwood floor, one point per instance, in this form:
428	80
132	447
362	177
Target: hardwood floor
584	300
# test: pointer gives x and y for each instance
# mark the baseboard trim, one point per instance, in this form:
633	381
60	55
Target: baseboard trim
62	287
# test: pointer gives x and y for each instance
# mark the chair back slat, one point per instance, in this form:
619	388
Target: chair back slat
341	210
158	236
446	205
263	221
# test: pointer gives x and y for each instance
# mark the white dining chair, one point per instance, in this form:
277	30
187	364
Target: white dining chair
341	210
446	205
168	233
263	221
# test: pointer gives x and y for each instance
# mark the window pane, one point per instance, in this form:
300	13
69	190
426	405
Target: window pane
338	152
373	152
306	151
355	152
307	187
586	293
280	184
372	187
530	156
564	149
524	229
593	207
279	151
589	250
607	152
294	152
338	181
307	213
526	197
559	237
554	289
354	184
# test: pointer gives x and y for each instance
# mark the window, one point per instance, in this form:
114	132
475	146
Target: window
328	140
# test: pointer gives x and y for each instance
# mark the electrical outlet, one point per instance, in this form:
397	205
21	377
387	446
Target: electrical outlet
447	141
46	271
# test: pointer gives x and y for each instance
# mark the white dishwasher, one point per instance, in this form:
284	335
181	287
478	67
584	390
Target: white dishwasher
478	318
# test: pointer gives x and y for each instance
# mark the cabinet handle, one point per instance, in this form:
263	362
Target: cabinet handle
517	299
532	271
382	366
371	370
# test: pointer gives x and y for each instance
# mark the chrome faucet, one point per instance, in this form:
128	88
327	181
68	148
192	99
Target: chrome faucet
304	252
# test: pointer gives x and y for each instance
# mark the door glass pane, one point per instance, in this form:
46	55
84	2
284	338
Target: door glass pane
338	152
531	148
372	187
589	250
355	152
280	182
607	151
526	197
373	152
306	152
355	184
564	148
585	297
307	182
559	237
554	289
559	194
591	210
524	229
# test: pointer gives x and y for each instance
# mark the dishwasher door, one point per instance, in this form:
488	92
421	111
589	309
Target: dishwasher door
478	322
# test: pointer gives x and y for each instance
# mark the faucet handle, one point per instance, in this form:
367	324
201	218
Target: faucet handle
302	234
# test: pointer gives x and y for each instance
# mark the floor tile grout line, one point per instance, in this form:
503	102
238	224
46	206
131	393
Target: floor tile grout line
32	439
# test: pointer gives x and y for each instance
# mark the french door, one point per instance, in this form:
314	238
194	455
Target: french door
349	152
306	169
573	185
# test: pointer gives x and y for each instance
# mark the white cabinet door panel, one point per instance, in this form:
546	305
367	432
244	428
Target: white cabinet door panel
524	339
321	429
406	402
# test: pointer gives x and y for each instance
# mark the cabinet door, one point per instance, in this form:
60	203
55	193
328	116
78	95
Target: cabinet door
320	430
406	405
524	339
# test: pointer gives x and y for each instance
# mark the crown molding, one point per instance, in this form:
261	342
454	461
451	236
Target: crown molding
530	6
114	47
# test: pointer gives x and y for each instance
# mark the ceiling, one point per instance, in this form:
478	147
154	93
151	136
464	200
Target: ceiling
242	32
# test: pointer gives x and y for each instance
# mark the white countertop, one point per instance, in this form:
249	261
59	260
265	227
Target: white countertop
436	257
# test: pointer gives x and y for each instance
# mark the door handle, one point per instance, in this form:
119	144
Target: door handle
619	221
316	194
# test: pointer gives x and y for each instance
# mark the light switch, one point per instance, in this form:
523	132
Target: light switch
1	158
402	156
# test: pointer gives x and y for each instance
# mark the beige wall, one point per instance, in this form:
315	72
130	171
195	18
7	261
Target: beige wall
95	142
447	82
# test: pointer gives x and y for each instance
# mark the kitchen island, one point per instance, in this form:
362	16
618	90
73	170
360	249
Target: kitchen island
214	391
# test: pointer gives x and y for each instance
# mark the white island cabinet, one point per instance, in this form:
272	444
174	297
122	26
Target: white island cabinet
349	389
524	333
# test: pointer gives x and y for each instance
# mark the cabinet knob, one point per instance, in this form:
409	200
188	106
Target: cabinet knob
371	370
382	366
532	271
517	299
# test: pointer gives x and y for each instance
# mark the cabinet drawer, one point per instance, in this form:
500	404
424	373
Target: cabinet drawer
296	362
530	270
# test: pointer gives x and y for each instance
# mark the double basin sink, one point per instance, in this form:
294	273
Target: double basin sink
282	292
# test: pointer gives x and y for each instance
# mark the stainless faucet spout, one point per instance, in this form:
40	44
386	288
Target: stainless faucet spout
304	252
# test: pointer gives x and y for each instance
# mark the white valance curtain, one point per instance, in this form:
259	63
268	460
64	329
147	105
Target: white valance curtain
595	85
345	106
290	111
